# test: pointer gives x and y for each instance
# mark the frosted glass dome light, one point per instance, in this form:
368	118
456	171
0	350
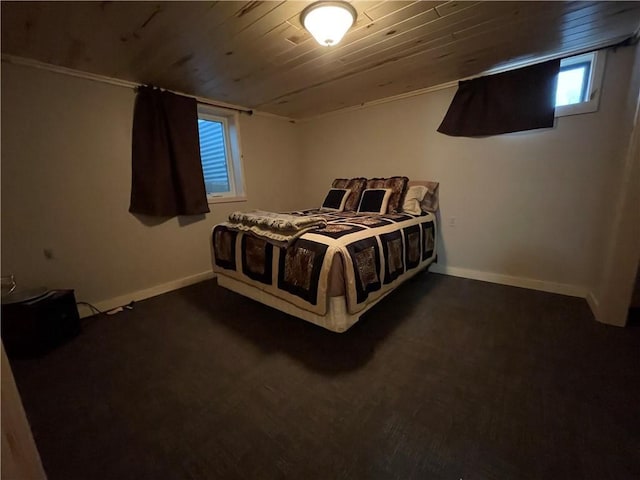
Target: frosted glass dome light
328	21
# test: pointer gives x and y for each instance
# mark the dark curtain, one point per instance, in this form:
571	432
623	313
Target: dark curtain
167	177
522	99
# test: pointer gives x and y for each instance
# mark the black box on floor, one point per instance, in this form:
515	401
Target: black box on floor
33	327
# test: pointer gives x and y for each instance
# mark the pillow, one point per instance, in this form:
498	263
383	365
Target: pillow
413	198
374	200
430	201
398	186
356	185
335	199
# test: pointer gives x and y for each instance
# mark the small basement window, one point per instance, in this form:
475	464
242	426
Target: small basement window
579	84
220	154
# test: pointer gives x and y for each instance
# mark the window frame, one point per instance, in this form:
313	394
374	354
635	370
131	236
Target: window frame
230	120
591	103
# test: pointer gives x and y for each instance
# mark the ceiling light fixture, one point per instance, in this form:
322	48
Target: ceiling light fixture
328	21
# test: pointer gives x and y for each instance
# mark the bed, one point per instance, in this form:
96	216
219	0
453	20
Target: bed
333	273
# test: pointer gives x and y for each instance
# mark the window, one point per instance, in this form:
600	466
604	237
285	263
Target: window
573	80
579	84
220	154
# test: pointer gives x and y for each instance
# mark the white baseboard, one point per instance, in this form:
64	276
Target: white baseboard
594	304
561	288
112	303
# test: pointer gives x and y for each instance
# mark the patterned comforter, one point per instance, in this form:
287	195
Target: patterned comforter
378	253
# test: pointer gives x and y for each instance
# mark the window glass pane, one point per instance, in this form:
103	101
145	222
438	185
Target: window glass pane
571	86
214	159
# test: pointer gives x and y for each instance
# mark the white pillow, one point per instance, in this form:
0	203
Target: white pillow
412	199
374	200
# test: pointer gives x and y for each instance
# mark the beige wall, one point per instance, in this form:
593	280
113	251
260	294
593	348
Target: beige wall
611	296
66	173
532	205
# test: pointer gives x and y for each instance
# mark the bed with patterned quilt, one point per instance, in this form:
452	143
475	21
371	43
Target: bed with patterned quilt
339	264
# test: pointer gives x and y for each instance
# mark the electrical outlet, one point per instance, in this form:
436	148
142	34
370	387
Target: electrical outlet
452	221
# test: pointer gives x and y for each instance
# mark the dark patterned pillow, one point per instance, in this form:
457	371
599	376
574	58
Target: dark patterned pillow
336	199
374	200
356	185
398	186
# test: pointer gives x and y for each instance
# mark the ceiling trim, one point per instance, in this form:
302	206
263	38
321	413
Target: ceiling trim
22	61
28	62
504	68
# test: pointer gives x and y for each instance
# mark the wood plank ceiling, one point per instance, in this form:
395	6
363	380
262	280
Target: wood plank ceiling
257	54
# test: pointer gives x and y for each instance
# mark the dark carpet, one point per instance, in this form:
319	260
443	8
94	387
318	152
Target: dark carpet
446	378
